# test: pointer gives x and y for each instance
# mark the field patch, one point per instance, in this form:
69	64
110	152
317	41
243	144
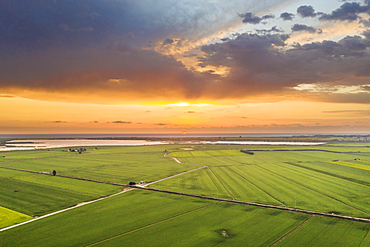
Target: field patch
205	153
9	217
352	164
145	218
122	165
269	177
35	199
320	231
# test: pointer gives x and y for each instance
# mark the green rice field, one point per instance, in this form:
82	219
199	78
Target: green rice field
331	179
278	178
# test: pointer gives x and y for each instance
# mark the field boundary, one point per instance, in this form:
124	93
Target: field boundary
331	215
330	174
292	231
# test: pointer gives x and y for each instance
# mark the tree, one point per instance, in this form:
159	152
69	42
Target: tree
54	172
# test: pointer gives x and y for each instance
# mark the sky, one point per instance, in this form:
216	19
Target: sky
200	66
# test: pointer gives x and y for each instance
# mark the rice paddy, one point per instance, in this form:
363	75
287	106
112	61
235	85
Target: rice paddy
298	178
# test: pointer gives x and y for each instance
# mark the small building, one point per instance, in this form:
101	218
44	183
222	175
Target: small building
142	182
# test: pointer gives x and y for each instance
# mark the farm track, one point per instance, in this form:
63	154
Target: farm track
178	161
291	232
153	224
316	191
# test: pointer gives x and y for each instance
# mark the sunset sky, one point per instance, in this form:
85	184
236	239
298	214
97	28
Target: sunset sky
201	66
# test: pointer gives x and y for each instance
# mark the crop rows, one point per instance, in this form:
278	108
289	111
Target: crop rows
267	177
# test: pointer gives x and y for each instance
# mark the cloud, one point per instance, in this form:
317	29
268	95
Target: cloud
306	11
362	112
267	31
6	96
302	27
56	122
347	12
97	51
286	16
160	124
258	65
168	41
190	112
121	122
252	19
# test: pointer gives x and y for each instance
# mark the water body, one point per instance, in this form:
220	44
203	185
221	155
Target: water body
173	135
45	144
32	144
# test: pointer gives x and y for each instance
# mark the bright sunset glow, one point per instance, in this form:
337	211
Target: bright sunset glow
126	66
188	104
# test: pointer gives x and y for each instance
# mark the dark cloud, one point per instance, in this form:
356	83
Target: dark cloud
355	43
94	48
56	122
45	24
302	27
6	96
258	66
252	19
306	11
168	42
121	122
347	11
160	124
271	30
270	16
287	16
117	70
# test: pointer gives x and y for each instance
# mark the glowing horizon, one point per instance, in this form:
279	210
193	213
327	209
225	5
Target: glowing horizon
205	66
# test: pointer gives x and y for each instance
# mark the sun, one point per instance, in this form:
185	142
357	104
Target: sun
183	132
188	104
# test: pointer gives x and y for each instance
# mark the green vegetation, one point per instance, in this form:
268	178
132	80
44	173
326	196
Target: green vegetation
330	178
329	232
116	164
36	194
9	217
276	177
161	220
